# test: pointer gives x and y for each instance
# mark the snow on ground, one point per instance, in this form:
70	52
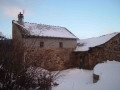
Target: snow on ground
95	41
109	76
78	79
74	79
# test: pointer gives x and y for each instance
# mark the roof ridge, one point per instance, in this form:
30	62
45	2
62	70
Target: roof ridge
70	32
109	34
101	35
44	24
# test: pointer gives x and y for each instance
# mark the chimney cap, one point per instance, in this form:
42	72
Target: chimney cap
20	15
20	18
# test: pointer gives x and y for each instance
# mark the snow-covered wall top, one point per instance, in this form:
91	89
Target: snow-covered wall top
47	30
85	44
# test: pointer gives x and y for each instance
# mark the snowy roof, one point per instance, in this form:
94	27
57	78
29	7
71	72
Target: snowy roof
42	30
85	44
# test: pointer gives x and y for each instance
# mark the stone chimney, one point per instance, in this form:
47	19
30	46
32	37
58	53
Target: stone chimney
20	18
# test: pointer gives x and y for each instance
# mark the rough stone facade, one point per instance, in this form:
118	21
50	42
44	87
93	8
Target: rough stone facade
107	51
50	59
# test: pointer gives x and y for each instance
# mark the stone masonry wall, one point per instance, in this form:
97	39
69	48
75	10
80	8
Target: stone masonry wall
51	59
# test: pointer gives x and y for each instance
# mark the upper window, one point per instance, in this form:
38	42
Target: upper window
60	44
41	44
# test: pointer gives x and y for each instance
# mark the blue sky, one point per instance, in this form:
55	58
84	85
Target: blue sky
85	18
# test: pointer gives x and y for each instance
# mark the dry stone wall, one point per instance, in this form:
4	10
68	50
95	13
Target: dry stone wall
52	59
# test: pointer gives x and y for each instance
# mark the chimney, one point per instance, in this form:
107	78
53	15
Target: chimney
20	18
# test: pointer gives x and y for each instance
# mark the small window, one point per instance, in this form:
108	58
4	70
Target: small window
60	44
41	44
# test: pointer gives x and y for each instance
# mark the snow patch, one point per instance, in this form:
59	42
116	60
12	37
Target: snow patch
74	79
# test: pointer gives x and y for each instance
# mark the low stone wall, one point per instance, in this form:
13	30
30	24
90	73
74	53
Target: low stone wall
52	59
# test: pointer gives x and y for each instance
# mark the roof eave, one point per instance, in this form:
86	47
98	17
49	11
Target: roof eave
32	36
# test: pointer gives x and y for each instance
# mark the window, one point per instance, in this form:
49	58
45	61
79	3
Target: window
60	44
41	44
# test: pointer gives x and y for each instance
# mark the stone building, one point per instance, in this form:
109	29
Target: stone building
47	46
95	50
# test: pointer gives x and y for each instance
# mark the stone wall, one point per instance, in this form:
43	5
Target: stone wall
108	51
51	59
